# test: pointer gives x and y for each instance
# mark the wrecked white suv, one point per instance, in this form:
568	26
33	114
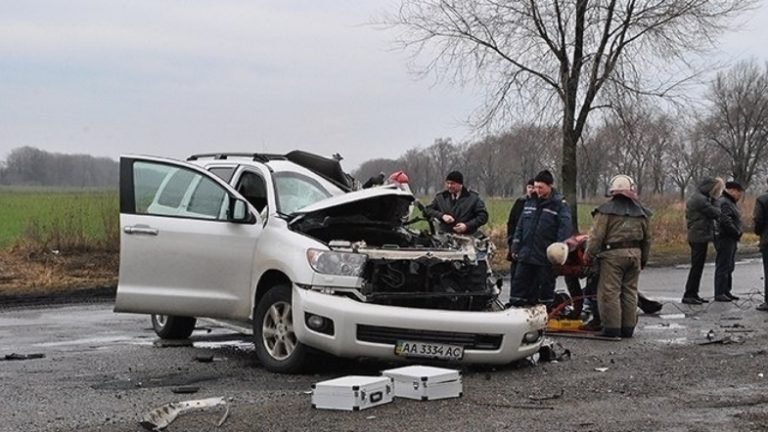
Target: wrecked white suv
283	246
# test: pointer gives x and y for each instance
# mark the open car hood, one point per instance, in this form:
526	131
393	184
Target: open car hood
387	204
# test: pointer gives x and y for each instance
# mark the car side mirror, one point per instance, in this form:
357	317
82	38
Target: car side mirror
238	212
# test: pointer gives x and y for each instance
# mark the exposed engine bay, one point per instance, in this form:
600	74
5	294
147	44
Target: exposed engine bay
405	267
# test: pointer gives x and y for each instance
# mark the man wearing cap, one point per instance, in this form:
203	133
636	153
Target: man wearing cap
459	210
728	235
546	219
760	219
619	243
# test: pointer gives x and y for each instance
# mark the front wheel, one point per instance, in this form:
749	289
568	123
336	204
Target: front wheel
277	347
173	327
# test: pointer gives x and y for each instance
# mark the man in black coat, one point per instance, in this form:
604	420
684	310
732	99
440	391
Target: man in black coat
728	235
701	216
760	219
458	209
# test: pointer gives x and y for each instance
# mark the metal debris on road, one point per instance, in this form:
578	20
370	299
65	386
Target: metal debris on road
224	416
172	343
672	316
724	340
601	369
547	397
159	418
204	358
15	356
185	389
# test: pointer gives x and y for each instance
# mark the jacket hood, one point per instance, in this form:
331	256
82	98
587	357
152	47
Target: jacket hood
622	205
712	187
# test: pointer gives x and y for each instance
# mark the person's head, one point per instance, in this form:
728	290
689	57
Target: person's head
734	189
542	184
529	188
454	182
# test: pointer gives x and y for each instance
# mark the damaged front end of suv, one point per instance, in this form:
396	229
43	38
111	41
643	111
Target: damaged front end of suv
397	265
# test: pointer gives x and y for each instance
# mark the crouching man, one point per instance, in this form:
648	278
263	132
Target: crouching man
619	242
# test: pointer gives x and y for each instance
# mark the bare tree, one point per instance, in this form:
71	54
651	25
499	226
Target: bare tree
738	120
544	51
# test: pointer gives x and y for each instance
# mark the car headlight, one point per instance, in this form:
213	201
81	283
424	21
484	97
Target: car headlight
336	263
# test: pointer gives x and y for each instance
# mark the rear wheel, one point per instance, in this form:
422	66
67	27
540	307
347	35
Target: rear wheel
277	347
173	327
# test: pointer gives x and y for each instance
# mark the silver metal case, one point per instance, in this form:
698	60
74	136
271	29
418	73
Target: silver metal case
426	382
352	393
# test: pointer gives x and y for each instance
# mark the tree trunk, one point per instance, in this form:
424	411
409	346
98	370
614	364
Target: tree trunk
570	171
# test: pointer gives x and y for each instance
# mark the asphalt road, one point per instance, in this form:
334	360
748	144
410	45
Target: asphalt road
101	371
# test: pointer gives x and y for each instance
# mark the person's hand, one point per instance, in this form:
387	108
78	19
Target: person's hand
459	228
448	219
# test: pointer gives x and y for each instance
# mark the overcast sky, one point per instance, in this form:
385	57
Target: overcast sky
173	78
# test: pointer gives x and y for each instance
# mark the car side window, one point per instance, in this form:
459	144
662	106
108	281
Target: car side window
207	200
166	190
253	188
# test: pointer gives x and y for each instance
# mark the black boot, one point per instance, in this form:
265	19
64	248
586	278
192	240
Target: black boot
627	332
610	332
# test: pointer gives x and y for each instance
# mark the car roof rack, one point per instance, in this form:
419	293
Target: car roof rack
258	157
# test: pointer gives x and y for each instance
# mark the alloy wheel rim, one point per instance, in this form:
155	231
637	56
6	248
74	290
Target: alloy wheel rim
277	331
161	320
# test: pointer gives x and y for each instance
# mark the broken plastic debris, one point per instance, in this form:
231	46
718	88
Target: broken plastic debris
601	369
204	358
672	316
160	418
15	356
185	389
168	343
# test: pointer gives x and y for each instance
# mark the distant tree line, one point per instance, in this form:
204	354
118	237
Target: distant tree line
665	149
29	166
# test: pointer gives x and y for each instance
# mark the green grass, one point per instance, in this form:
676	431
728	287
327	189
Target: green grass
59	218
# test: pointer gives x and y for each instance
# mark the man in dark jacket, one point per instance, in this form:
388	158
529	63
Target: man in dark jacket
701	214
619	242
728	235
459	210
760	219
546	219
514	217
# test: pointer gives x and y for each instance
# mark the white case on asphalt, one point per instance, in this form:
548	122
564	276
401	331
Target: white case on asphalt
426	382
352	393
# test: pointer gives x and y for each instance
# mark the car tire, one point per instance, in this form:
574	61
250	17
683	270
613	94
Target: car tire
173	327
277	347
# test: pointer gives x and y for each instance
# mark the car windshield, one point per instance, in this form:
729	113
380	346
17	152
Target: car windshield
295	191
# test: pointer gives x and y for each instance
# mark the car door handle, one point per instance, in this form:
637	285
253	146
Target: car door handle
140	229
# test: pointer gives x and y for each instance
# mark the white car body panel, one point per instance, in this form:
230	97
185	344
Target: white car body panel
511	323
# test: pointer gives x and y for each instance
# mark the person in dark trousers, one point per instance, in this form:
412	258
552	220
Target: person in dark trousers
546	219
577	267
728	235
458	209
514	217
760	220
619	243
701	215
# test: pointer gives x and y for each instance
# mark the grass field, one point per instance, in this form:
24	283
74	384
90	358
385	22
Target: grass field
59	219
87	219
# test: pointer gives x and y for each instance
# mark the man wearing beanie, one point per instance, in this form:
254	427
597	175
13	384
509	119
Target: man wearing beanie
459	210
546	219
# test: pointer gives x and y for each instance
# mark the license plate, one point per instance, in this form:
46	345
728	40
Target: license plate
429	350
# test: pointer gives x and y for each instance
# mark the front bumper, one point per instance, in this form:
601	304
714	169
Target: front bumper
354	321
